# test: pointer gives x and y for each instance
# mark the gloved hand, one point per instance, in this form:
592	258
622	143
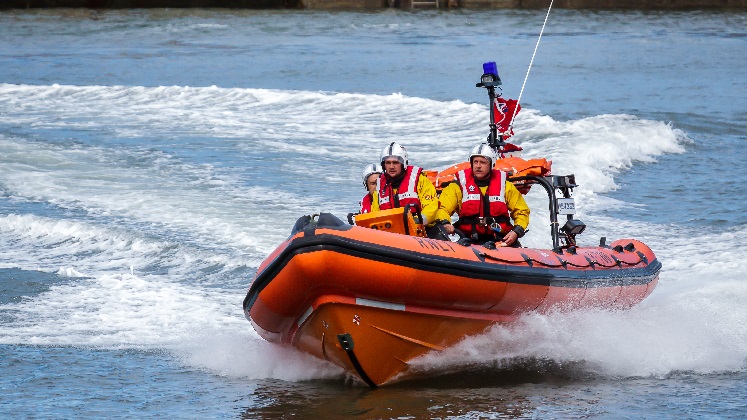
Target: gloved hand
465	242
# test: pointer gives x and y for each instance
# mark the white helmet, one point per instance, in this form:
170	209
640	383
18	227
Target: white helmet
369	170
396	150
484	150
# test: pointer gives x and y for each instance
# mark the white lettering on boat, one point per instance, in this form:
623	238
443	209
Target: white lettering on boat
435	244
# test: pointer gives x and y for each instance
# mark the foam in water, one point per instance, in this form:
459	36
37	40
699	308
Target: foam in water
165	192
252	358
693	321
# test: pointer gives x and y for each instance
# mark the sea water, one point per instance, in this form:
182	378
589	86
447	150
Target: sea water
150	160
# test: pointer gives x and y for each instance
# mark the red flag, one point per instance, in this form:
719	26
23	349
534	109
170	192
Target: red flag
503	112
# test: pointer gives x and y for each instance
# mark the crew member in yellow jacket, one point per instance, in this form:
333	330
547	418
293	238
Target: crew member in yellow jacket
401	184
485	202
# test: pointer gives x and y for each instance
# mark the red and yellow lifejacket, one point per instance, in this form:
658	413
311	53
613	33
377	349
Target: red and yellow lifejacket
478	212
407	193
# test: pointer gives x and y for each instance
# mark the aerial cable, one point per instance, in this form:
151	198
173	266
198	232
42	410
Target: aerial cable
518	101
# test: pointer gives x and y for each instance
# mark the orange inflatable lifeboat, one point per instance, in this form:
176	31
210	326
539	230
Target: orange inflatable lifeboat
373	296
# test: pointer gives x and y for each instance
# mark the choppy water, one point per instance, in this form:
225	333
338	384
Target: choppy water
149	160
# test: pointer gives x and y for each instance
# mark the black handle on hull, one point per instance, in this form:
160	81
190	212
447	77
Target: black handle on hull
346	342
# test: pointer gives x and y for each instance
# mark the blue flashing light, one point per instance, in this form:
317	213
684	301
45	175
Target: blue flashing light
490	68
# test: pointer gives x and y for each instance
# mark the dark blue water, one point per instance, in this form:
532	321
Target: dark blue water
149	161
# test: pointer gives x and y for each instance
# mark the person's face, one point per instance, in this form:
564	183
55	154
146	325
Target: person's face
480	167
393	167
371	182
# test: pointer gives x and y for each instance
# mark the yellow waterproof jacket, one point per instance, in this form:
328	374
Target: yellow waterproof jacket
450	202
427	196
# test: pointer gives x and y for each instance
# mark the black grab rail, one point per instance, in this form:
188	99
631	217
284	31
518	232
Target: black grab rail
564	183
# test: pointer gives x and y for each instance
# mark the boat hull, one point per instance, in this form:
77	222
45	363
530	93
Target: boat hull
372	301
376	343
